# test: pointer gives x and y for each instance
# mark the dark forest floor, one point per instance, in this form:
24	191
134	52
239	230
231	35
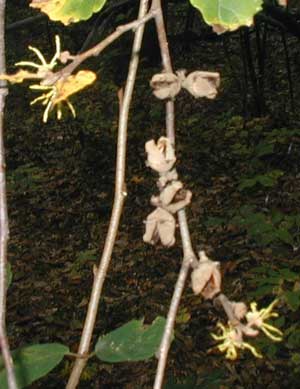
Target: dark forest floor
245	179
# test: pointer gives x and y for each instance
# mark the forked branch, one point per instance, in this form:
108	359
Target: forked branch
120	194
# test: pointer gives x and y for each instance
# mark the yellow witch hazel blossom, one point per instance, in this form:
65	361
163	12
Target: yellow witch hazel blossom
56	91
257	319
232	335
43	68
61	90
232	338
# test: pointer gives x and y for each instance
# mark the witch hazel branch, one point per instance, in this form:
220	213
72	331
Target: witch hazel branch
161	224
206	278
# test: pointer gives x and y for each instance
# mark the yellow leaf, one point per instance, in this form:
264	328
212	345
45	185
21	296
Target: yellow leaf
72	85
60	91
52	8
18	77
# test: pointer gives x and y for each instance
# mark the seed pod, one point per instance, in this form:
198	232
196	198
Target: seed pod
202	84
160	225
161	155
206	278
165	85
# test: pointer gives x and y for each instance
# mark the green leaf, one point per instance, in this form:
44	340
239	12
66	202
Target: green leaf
289	275
284	235
87	255
261	228
276	216
213	221
293	341
295	358
229	14
71	11
262	291
293	299
266	180
247	183
261	269
33	362
263	149
131	342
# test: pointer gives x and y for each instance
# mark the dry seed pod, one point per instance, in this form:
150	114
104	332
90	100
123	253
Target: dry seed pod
160	225
167	177
165	85
202	84
206	278
175	207
161	156
239	309
168	193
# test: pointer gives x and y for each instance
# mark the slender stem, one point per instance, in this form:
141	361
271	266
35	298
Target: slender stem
189	257
25	22
188	261
120	194
97	49
102	21
168	331
4	232
227	306
167	65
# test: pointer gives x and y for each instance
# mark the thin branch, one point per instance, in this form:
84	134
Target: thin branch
97	49
25	22
167	65
103	20
99	27
189	257
4	232
120	194
227	306
188	261
33	19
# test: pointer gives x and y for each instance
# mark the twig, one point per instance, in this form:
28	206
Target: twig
97	49
227	306
189	261
96	29
25	22
104	18
189	257
33	19
4	232
120	194
167	65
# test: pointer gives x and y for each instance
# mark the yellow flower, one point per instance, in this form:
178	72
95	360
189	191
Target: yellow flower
56	89
257	319
232	338
43	68
61	90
